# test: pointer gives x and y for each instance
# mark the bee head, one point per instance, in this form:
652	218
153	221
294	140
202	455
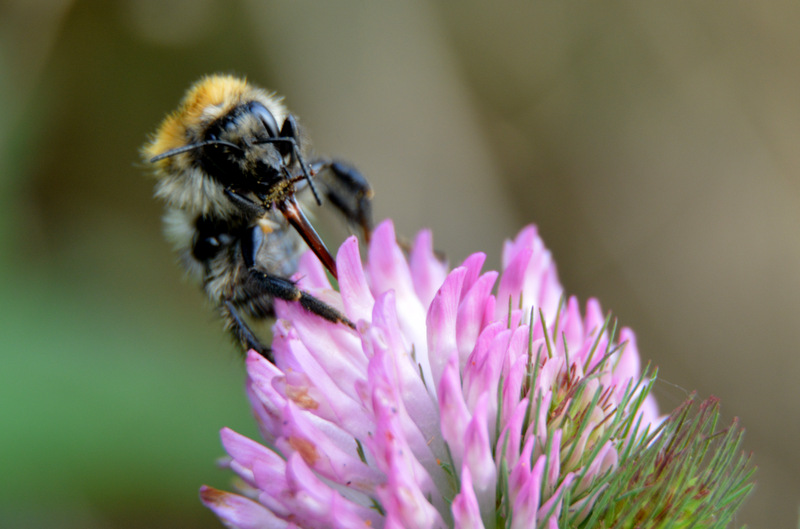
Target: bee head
245	149
226	135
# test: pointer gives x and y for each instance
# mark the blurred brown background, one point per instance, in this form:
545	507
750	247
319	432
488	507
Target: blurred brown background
655	147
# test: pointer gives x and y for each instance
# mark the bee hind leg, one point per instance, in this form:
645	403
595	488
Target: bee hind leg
242	332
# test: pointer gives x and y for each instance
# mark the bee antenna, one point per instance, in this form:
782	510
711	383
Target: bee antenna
307	176
191	147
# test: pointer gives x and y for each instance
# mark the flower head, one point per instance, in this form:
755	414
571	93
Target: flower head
449	406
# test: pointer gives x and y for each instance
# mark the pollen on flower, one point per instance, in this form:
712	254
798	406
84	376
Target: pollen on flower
448	405
300	396
306	449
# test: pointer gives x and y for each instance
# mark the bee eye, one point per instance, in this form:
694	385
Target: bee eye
266	118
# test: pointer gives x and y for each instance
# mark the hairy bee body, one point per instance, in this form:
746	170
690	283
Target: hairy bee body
221	269
230	164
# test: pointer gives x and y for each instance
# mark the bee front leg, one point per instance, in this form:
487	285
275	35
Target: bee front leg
280	287
348	191
246	205
285	289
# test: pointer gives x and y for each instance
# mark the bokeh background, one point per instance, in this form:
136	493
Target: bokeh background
655	145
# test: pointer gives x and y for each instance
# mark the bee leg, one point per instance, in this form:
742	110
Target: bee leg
349	191
290	131
242	332
285	289
280	287
249	207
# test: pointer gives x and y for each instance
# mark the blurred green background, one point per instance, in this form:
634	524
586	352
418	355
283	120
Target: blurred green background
654	145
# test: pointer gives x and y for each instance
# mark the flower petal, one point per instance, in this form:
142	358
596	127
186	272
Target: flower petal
356	296
402	371
427	272
388	270
313	274
526	504
238	512
441	323
478	455
244	453
453	411
321	445
309	501
465	508
404	495
471	312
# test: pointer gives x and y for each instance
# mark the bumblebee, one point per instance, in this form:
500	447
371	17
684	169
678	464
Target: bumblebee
231	167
